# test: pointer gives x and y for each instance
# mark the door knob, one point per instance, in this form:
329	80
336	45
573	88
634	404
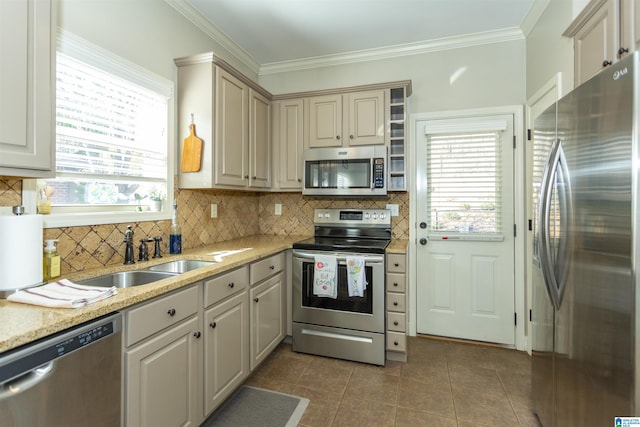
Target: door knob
423	241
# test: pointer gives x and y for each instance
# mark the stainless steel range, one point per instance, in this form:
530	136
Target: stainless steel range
338	285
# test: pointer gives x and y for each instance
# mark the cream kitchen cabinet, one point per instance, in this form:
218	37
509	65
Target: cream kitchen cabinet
288	142
226	336
267	310
27	105
232	115
396	307
350	119
161	361
604	32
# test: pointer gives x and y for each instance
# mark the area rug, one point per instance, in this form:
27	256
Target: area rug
251	406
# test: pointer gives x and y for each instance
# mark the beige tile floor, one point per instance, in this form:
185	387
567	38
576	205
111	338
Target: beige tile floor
443	383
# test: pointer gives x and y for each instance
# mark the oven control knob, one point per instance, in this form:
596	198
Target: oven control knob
327	215
320	215
375	216
367	215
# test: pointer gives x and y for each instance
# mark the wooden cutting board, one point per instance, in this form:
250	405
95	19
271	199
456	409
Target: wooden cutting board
191	151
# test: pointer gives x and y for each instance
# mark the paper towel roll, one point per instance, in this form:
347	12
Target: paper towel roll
20	251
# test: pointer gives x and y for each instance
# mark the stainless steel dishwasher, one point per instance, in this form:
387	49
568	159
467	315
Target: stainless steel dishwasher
70	379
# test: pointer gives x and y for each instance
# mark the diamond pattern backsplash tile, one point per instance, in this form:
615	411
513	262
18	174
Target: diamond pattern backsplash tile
240	214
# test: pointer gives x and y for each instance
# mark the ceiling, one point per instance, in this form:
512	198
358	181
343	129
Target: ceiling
275	31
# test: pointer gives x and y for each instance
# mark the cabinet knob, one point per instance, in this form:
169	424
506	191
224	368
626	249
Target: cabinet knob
395	343
197	334
212	325
395	303
395	284
395	322
622	51
350	136
272	267
231	285
246	177
171	312
299	180
256	299
397	264
606	63
253	177
338	137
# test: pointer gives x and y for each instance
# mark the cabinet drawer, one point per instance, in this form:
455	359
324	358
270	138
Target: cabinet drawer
396	322
396	341
262	269
224	285
396	282
156	315
395	302
396	263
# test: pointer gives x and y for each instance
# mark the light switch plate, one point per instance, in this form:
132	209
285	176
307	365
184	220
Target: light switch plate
395	210
214	210
278	208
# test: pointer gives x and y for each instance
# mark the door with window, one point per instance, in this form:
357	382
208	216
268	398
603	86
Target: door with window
465	251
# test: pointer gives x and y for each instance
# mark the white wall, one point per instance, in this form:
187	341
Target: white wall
490	75
548	53
149	33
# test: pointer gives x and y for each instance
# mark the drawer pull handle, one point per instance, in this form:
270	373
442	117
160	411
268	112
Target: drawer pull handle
395	303
231	285
256	299
397	264
212	324
272	267
171	312
395	323
197	334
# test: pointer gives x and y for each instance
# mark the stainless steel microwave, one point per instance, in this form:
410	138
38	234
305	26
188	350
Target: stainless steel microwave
352	171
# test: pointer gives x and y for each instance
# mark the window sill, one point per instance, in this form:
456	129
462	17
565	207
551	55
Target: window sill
96	218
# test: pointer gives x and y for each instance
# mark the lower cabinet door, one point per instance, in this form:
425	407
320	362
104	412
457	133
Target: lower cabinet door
267	318
161	386
226	349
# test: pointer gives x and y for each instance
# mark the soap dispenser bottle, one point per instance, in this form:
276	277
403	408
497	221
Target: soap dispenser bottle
50	261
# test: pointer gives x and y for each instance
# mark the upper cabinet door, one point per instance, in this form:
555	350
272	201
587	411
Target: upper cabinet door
629	27
27	48
366	118
291	143
259	140
596	42
325	121
231	130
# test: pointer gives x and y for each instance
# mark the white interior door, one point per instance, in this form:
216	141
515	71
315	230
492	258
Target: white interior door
465	211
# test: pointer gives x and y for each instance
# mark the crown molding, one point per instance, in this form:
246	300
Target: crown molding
207	27
536	11
388	52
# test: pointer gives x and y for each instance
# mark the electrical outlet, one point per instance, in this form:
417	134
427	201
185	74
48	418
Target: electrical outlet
214	210
278	208
395	210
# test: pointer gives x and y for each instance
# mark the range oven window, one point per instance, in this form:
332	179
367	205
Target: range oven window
343	302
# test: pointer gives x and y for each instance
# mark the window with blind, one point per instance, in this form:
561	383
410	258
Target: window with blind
111	136
464	182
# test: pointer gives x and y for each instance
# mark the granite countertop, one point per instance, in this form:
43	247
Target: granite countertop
22	323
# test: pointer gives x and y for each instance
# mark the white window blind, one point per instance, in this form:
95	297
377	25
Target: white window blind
107	126
464	182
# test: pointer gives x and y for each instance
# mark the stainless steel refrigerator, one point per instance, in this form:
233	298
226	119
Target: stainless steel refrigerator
586	252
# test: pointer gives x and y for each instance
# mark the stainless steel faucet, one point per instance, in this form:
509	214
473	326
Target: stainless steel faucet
128	251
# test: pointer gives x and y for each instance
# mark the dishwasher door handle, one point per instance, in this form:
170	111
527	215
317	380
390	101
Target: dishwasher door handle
25	381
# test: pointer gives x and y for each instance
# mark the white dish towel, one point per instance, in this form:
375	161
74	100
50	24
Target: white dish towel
324	276
356	280
62	294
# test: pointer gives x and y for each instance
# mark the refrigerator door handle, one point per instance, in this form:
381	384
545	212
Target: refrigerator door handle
555	271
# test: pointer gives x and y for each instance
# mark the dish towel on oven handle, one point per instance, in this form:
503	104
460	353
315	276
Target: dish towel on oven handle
356	280
325	276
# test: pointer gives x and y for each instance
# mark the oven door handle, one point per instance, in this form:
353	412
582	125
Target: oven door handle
342	259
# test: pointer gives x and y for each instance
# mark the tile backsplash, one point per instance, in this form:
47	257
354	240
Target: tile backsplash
240	214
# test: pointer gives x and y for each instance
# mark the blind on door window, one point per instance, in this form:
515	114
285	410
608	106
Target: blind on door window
464	182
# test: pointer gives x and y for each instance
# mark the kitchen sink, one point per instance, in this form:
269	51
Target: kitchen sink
127	279
180	266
